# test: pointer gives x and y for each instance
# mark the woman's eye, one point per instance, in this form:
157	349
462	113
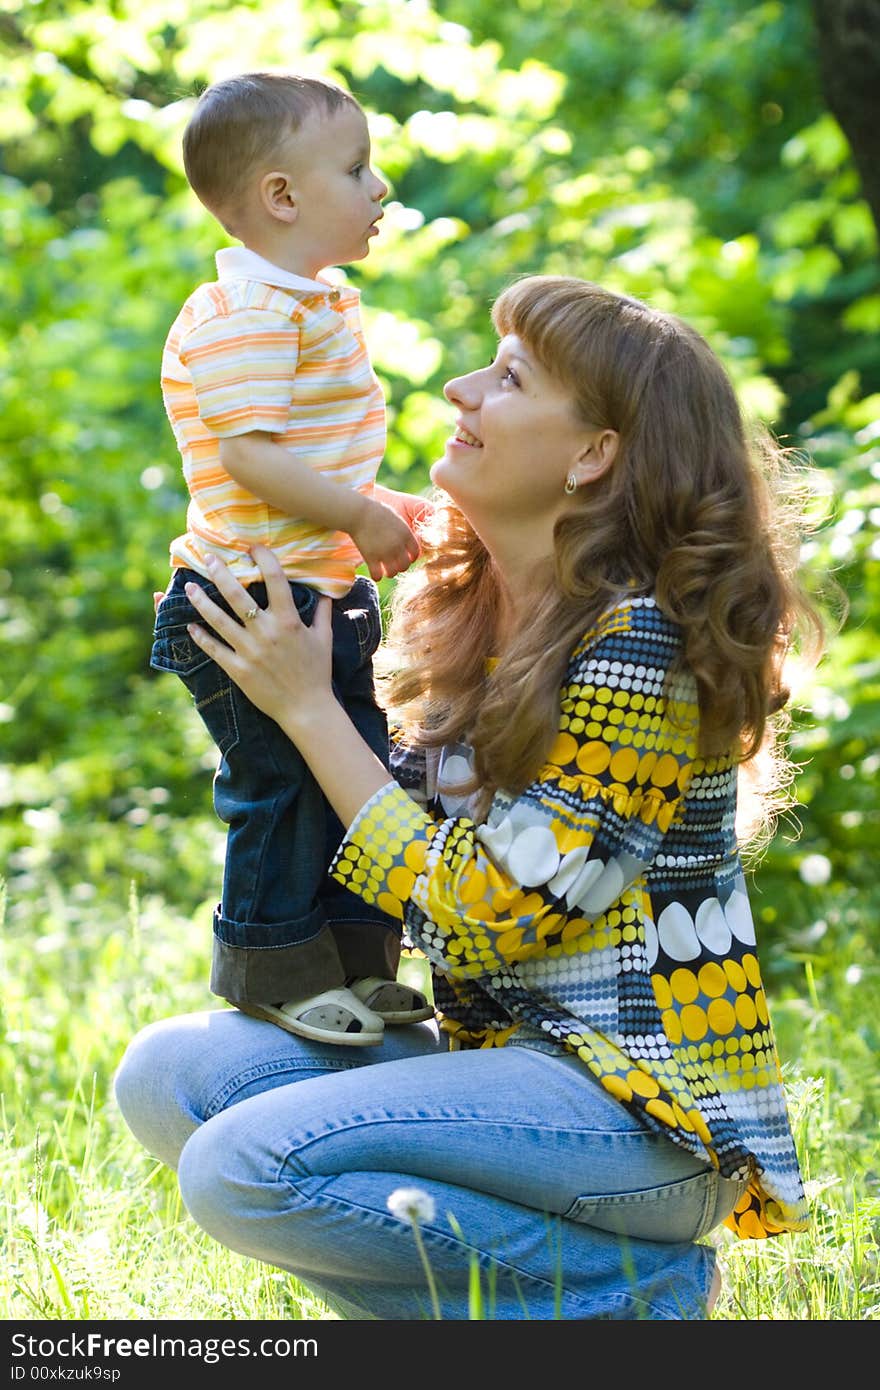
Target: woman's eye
507	373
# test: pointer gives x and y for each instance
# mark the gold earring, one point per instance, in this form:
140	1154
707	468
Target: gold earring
570	485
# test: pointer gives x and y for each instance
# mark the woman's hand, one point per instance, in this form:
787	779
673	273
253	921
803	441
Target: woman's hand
285	668
282	666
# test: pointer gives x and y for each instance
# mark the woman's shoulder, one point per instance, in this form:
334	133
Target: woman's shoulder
634	628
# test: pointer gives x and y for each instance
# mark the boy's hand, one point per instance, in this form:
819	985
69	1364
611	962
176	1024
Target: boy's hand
384	539
414	510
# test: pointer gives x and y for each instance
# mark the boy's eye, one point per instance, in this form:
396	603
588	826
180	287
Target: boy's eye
357	170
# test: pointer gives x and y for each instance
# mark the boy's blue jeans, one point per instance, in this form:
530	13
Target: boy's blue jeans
553	1192
283	929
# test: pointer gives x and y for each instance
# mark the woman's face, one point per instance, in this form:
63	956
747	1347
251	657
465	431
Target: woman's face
517	438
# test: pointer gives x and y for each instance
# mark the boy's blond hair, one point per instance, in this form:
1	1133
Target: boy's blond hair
239	124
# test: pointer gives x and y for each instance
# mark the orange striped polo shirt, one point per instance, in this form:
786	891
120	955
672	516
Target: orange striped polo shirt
263	349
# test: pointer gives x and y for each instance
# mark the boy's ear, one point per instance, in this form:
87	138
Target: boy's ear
277	197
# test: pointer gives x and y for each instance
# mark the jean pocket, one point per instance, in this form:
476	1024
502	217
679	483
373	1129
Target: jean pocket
684	1210
173	648
208	684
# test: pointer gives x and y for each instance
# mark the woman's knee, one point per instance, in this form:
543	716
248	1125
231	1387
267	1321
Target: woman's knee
205	1175
150	1092
232	1185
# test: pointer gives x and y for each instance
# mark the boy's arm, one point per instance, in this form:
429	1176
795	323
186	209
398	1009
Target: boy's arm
246	423
279	478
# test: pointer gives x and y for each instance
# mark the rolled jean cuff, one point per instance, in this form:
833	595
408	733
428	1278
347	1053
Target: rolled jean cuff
295	931
273	974
367	948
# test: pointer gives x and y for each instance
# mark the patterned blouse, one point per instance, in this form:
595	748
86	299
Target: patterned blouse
603	912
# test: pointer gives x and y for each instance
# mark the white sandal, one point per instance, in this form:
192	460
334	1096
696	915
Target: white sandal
334	1016
392	1001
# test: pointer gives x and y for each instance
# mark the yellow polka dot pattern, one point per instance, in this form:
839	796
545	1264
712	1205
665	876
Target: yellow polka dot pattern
597	909
720	1017
395	835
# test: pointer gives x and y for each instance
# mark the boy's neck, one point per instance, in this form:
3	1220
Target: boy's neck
285	257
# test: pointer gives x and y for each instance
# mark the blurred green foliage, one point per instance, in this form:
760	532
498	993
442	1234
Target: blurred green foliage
680	152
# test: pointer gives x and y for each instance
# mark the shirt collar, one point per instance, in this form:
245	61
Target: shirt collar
238	263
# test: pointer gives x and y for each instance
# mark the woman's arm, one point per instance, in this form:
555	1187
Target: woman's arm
566	859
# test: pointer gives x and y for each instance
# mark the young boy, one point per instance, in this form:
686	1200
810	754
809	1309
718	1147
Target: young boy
280	422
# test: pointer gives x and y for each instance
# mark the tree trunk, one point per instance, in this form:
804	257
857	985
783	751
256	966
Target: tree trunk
848	34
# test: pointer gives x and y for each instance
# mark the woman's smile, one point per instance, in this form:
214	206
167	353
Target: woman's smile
464	436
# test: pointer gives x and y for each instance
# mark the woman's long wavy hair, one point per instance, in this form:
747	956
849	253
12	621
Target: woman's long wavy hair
691	510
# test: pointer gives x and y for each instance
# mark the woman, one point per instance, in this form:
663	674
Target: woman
589	654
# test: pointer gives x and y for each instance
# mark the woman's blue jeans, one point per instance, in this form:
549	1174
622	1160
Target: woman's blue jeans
287	1151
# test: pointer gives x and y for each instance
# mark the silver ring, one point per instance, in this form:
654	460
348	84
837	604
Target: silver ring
251	613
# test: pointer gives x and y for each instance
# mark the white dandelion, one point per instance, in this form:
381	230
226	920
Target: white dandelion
411	1204
815	869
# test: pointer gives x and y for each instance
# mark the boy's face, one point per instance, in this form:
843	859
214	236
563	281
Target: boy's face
337	195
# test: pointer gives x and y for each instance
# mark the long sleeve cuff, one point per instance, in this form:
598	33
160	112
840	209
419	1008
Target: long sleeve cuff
384	850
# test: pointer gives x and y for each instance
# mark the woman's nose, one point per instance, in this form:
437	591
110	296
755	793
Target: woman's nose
462	390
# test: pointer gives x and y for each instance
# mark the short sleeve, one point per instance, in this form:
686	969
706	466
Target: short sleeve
242	366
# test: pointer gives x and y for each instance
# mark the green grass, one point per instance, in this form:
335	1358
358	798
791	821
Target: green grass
92	1228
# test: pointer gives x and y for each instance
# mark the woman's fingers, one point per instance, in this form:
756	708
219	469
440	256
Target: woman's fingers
230	629
236	596
224	656
277	585
280	601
